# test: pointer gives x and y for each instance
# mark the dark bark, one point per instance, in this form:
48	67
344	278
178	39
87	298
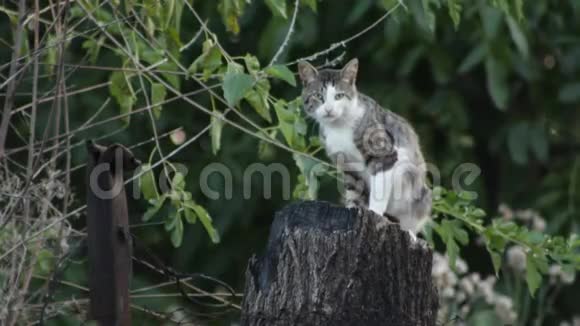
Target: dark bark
109	239
327	265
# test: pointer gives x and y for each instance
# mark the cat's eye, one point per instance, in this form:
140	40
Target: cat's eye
339	96
317	97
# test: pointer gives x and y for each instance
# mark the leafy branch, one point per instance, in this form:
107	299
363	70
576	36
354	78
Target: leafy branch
497	235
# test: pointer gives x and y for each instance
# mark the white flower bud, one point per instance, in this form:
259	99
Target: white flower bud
568	277
504	309
539	224
505	211
448	292
461	266
516	258
467	285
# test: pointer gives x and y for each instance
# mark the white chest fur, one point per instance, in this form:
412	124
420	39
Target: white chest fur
340	140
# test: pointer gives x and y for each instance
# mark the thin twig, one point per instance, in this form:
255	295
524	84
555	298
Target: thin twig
34	106
50	98
343	43
11	89
85	127
288	34
257	134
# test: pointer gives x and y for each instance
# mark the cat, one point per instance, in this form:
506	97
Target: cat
377	150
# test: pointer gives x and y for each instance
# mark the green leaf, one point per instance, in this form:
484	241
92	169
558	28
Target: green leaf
93	48
190	215
478	212
474	58
310	169
518	37
216	133
452	232
209	60
285	122
389	4
495	260
289	125
45	261
234	67
260	104
423	15
147	182
282	72
267	151
252	63
178	181
171	219
51	53
122	92
300	191
534	237
507	227
519	9
452	252
483	318
206	220
467	195
570	93
495	245
258	99
158	93
230	11
278	7
310	3
167	12
235	86
177	232
491	19
533	276
455	8
152	210
169	69
497	83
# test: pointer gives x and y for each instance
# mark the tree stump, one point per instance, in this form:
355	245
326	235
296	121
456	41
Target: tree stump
328	265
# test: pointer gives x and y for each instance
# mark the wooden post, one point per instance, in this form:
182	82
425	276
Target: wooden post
109	239
327	265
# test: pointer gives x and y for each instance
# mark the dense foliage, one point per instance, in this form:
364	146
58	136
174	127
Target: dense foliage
492	86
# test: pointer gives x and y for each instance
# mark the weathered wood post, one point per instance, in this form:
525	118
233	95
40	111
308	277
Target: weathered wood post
109	239
327	265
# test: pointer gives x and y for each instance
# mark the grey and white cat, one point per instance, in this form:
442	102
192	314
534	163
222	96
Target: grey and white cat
377	150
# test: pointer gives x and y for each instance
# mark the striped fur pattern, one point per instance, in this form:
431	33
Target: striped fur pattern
377	150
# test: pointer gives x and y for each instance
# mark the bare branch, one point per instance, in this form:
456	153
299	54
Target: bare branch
9	100
288	34
347	40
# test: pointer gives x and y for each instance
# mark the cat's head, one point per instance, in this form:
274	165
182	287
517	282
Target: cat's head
329	94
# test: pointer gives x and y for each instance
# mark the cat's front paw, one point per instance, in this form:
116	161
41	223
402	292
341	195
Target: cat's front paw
377	210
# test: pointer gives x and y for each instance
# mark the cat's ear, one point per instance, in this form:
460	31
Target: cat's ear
350	71
307	72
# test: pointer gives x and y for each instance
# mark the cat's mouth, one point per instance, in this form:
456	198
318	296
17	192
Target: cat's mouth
329	116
